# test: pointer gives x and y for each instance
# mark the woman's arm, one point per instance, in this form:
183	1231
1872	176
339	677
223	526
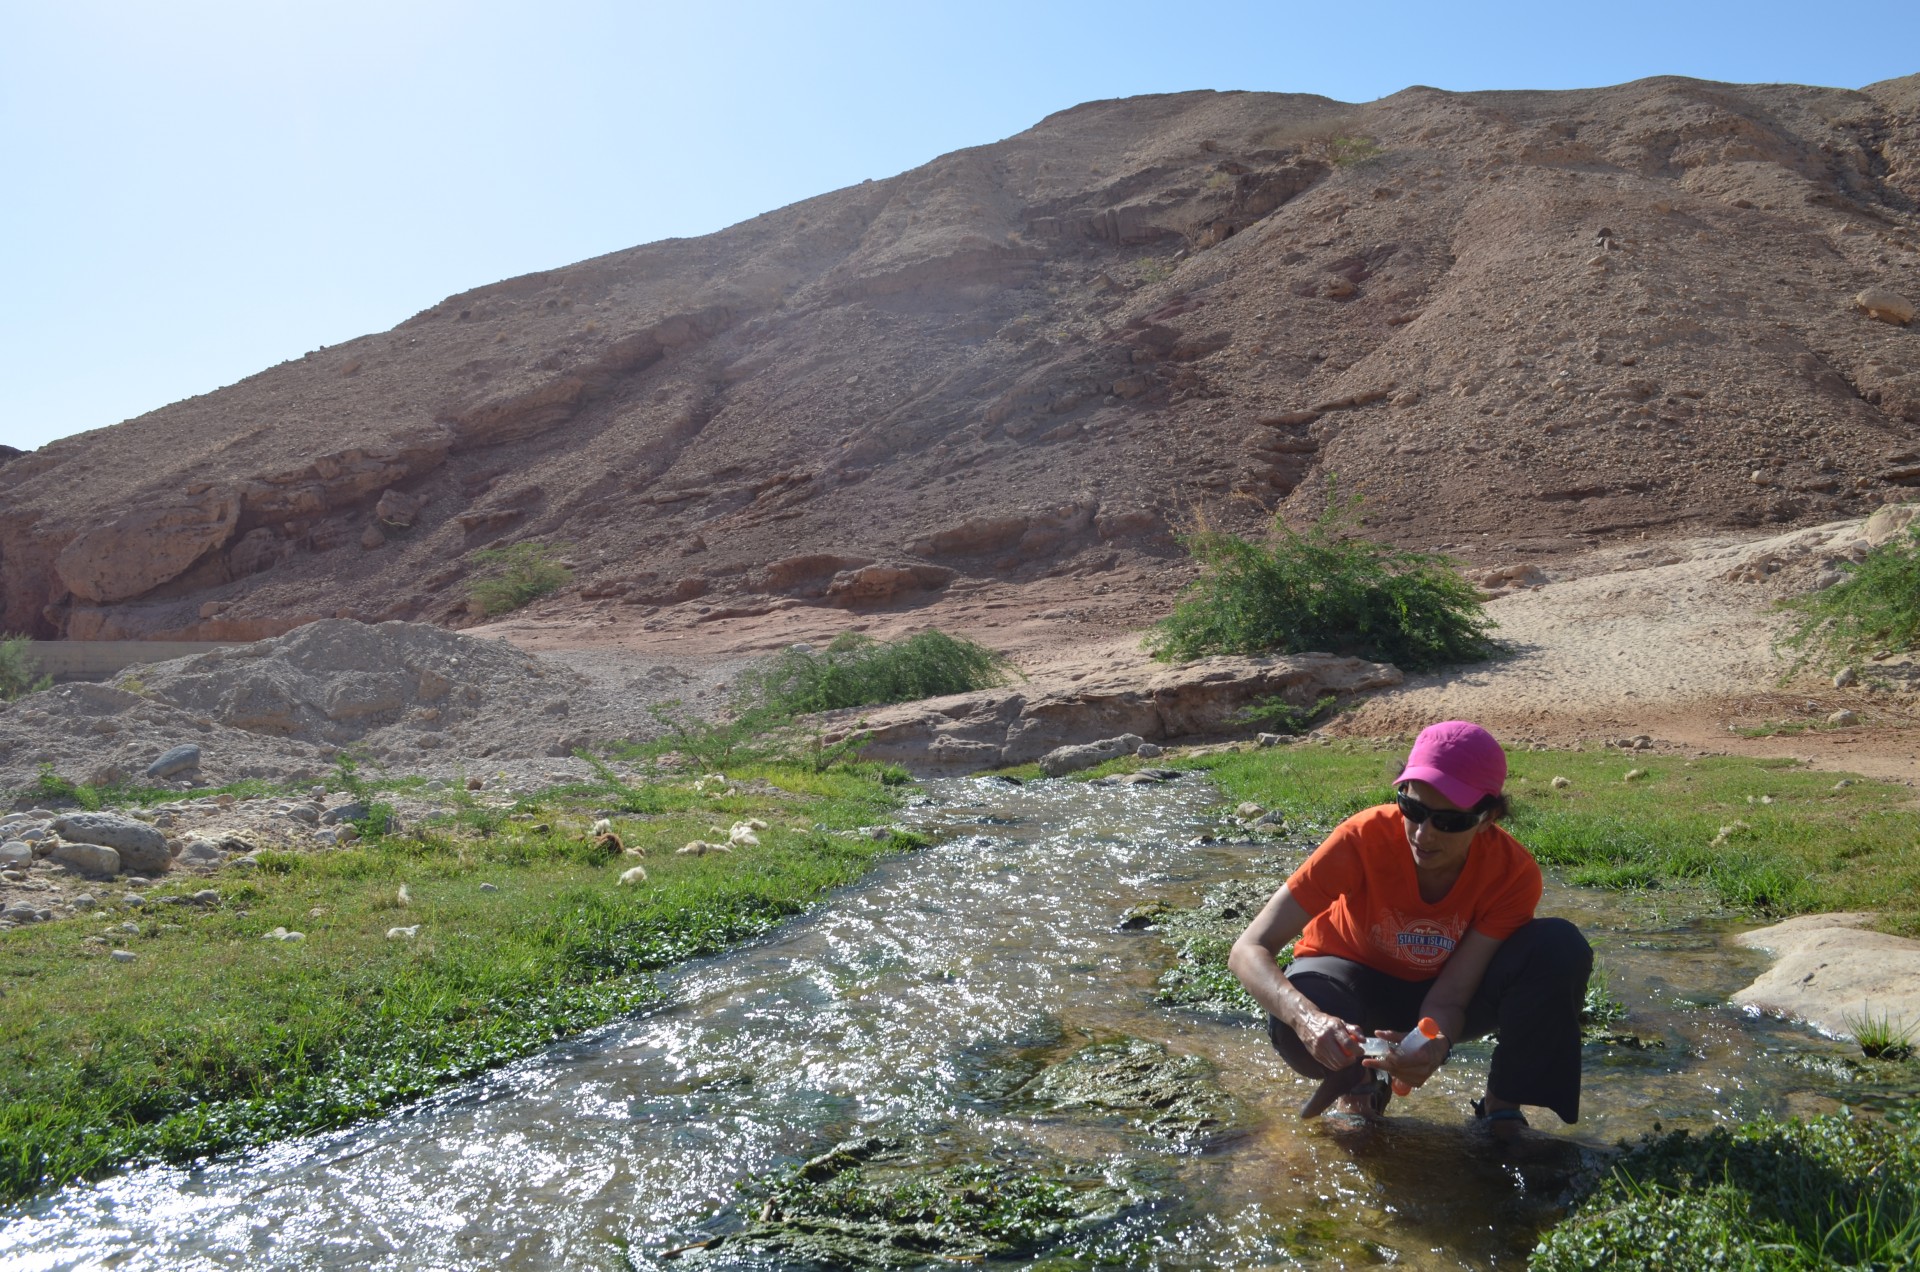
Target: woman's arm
1446	1002
1329	1039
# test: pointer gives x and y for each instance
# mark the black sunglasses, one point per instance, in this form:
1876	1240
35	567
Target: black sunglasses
1449	821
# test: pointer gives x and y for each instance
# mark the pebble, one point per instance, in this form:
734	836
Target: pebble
403	933
84	901
489	887
1561	783
1634	775
122	956
1843	678
1843	717
1843	783
1147	751
1248	810
282	934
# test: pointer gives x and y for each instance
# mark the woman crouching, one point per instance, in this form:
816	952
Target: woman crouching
1423	908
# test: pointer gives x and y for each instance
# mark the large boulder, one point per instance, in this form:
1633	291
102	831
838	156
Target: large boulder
141	848
139	550
1830	971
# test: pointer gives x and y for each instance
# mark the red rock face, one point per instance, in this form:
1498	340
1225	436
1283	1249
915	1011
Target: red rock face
1511	322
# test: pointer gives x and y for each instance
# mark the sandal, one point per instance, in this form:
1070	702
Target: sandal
1369	1100
1506	1124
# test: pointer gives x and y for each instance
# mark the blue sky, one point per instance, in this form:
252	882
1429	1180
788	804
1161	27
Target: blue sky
199	189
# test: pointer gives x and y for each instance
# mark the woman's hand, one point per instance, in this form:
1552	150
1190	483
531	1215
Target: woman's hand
1329	1039
1409	1071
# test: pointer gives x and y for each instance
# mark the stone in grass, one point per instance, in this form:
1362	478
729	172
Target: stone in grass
179	759
352	812
142	849
15	855
876	1203
403	933
95	861
122	956
282	934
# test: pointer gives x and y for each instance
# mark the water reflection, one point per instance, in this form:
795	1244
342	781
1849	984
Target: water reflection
915	1004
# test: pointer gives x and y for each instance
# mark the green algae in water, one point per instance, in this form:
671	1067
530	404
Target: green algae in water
876	1203
1201	937
1171	1097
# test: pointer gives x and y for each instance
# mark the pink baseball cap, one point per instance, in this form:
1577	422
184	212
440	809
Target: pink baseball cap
1458	759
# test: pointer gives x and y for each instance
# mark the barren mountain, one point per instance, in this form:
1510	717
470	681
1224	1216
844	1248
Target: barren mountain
1517	323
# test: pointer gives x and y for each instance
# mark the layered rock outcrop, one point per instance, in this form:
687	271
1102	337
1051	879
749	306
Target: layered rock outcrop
1578	314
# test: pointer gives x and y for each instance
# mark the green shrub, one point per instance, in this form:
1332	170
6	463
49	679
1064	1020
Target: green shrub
1318	591
1823	1192
19	672
514	575
1875	609
856	671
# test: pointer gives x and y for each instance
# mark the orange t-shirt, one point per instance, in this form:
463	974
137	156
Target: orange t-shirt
1361	888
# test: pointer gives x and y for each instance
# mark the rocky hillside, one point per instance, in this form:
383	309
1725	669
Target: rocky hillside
1514	322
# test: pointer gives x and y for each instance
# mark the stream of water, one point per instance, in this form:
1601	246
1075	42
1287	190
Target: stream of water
901	1005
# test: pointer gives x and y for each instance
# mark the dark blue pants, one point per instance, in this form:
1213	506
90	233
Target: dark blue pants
1531	997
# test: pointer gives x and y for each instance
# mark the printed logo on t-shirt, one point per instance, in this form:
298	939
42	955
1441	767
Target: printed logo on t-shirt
1418	942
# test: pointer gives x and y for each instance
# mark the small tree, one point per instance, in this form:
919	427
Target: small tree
19	670
516	574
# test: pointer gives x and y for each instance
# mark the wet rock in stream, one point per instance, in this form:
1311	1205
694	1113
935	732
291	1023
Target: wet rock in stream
1170	1097
881	1203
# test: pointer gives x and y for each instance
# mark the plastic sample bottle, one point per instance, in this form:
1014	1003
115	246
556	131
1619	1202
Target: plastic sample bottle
1416	1038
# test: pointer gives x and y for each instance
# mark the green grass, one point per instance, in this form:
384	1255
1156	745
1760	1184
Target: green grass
213	1038
1881	1037
1322	590
517	574
1821	1192
857	671
1700	823
1874	609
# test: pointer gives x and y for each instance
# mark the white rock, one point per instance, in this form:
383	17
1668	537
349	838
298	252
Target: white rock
122	956
1561	783
489	887
96	861
1844	677
15	855
1843	718
637	874
403	933
601	827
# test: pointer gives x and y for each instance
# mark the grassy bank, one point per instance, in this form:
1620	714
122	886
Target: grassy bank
215	1036
1764	837
1819	1192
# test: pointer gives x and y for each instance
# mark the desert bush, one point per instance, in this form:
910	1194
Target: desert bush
856	671
19	672
1316	590
1874	609
514	575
